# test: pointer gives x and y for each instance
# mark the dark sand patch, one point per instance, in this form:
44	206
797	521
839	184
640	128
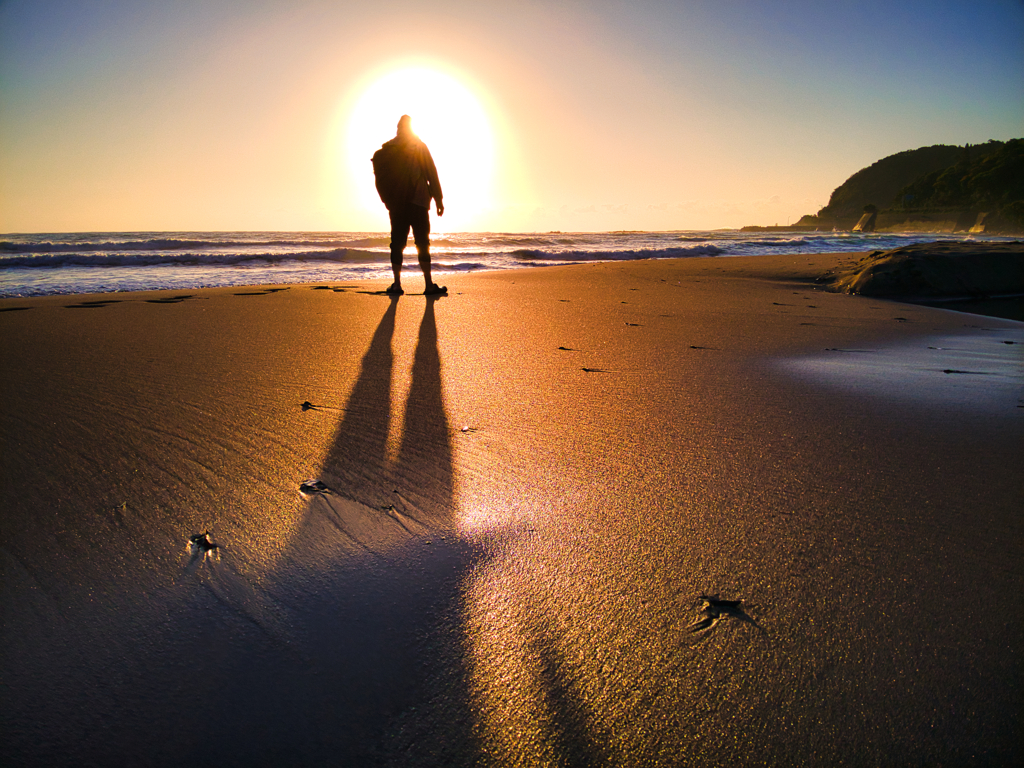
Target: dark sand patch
92	304
1010	308
170	299
263	291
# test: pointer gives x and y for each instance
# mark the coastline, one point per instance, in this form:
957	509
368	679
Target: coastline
37	265
532	482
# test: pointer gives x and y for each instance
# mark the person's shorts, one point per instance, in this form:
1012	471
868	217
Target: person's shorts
409	216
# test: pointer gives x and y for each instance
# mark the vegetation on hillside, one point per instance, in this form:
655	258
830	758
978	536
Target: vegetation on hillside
965	180
881	182
992	181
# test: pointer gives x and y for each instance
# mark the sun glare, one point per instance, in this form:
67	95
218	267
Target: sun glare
452	122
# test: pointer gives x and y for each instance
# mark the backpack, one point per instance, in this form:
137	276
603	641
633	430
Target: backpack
393	172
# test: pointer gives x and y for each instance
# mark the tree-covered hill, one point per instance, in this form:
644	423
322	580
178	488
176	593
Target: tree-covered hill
938	184
882	181
993	180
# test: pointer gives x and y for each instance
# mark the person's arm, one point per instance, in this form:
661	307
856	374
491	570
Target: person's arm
432	181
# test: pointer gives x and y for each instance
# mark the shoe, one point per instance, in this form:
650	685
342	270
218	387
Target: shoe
435	290
394	290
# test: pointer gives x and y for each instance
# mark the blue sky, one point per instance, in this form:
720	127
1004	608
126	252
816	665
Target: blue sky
606	115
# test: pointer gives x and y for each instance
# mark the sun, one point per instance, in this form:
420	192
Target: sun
448	117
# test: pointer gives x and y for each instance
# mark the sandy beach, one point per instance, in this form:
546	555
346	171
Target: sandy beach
689	512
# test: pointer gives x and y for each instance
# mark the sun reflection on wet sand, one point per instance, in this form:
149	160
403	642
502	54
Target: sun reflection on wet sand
982	369
531	704
579	652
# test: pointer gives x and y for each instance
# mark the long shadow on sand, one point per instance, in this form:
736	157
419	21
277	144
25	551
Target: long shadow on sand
369	590
330	658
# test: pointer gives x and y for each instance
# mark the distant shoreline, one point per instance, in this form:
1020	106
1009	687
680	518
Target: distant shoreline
834	272
884	230
79	263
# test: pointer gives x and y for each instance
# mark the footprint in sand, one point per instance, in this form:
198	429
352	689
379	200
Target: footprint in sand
170	299
264	292
92	304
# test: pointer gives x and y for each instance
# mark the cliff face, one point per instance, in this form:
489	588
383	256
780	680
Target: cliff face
937	188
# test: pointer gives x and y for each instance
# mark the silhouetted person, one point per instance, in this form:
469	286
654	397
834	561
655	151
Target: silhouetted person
407	181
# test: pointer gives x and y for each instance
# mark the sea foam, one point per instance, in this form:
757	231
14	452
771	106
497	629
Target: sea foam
86	262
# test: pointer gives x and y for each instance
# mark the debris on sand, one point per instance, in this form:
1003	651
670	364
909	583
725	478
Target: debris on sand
201	542
311	487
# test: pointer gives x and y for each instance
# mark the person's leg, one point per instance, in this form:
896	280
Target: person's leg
399	239
421	236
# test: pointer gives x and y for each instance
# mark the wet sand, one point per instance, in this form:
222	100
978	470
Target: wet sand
540	500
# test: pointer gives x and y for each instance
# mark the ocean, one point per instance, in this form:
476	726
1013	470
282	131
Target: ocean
102	262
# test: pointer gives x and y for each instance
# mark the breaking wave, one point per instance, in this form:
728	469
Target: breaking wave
171	244
106	259
627	255
97	262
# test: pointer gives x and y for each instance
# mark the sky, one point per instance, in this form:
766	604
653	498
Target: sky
225	115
